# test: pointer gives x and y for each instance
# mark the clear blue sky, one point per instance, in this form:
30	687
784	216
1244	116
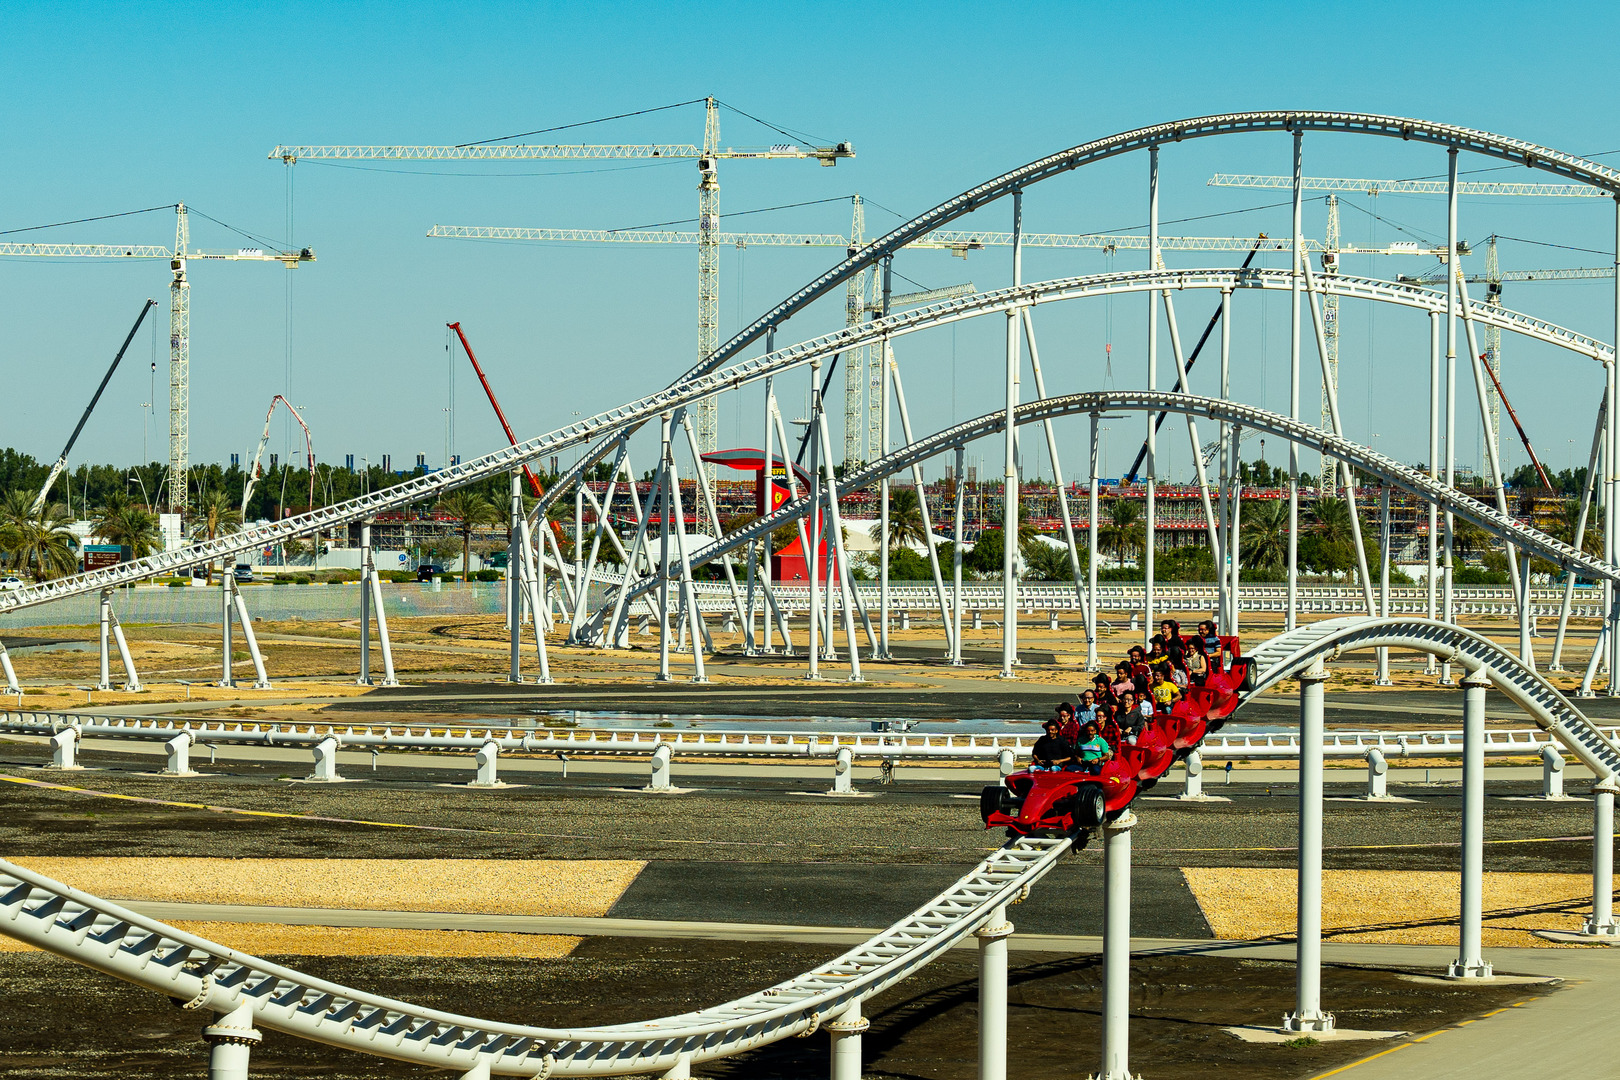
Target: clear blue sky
118	107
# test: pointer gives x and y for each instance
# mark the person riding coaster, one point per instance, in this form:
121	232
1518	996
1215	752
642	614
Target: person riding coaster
1072	792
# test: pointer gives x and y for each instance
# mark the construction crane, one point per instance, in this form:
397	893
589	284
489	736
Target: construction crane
708	157
862	372
61	461
1408	187
179	319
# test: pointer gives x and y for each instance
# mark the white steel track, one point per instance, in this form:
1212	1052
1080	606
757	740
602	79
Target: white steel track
200	974
638	412
1288	654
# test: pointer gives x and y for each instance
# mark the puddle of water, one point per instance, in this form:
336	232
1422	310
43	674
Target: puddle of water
56	646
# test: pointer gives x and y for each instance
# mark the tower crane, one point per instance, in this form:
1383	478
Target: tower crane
708	157
863	374
179	319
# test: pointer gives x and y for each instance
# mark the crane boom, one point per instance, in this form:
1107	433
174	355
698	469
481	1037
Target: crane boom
1524	438
1407	187
61	461
534	481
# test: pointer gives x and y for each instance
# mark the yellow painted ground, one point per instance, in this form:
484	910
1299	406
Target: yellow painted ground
482	886
478	886
1242	903
263	939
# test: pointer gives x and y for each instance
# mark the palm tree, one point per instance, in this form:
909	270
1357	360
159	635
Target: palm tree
905	520
1468	538
1330	519
1592	538
217	513
1265	533
14	516
1047	563
123	522
47	545
1121	528
470	510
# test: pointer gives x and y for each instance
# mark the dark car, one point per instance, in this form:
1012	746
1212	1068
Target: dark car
242	572
428	572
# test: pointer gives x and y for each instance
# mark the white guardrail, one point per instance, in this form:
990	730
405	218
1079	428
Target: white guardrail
66	730
1060	596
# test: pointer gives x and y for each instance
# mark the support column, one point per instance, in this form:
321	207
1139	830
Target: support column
227	582
104	682
1382	677
231	1039
1308	1014
1552	773
1009	483
1447	557
1431	582
13	687
663	549
956	559
1117	949
993	937
1377	774
1150	523
1229	467
1195	776
487	759
382	631
1527	650
366	572
1602	923
514	595
1611	457
261	680
1469	963
1292	617
846	1029
1091	559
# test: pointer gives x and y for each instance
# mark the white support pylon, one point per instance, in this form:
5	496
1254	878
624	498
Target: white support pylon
1308	1014
231	1039
1602	924
1470	963
261	681
514	584
846	1028
1116	1008
993	935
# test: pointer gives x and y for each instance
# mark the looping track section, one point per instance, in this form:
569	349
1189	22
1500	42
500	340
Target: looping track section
204	975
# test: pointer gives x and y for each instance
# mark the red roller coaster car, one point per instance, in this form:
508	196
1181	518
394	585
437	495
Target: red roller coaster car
1073	803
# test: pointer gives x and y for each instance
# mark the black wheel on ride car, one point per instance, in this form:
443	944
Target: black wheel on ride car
1089	806
989	802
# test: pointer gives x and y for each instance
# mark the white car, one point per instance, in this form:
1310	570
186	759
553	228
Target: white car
11	583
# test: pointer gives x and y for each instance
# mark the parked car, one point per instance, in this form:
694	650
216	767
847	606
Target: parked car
427	572
11	583
243	572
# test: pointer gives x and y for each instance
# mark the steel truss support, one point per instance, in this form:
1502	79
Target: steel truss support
1435	473
706	494
108	622
371	600
12	686
1091	549
1297	258
1151	524
840	558
1579	538
1057	469
603	527
893	370
531	570
1010	481
1470	963
1381	678
514	580
956	558
1308	1014
231	603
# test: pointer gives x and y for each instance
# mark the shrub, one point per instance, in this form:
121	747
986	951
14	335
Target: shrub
300	579
179	583
487	575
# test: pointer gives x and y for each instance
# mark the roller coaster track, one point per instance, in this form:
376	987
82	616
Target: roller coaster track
637	412
203	975
1370	461
1288	654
